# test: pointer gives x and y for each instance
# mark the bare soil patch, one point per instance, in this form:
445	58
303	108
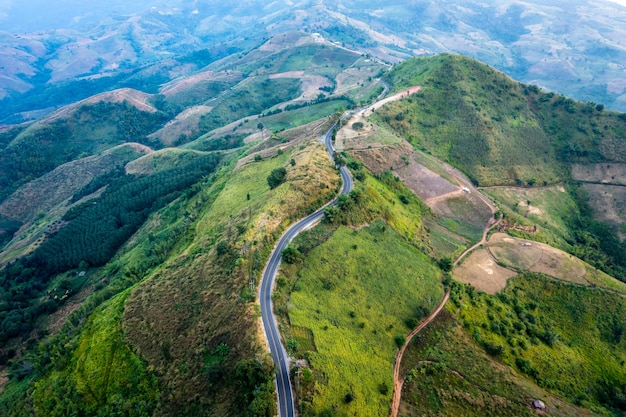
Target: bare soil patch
530	209
537	257
481	270
310	84
609	205
608	173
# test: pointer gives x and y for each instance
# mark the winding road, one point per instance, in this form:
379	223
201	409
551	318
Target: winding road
286	406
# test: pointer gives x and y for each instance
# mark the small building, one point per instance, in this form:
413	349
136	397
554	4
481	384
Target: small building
539	405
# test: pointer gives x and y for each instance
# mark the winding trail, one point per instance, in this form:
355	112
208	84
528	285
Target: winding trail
398	383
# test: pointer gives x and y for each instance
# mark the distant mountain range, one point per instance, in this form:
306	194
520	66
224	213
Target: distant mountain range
46	60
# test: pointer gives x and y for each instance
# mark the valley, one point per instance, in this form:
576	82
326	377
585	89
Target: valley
472	259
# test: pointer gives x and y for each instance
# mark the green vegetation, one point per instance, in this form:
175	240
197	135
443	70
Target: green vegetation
249	98
96	231
277	177
566	338
448	374
495	130
354	294
91	129
299	116
102	377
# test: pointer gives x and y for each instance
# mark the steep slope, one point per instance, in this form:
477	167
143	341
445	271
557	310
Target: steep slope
496	130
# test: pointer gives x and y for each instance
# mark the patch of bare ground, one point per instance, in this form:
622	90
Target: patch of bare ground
609	205
57	319
185	83
608	173
481	270
309	84
4	378
185	123
489	268
422	181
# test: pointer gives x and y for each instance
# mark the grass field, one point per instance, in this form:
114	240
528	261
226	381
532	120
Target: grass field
299	117
352	296
550	207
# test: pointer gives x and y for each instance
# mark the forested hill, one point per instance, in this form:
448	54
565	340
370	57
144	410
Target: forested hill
496	130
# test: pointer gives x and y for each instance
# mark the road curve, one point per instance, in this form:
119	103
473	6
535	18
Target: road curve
284	391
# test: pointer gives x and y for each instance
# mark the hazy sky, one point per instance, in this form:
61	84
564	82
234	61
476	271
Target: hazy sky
622	2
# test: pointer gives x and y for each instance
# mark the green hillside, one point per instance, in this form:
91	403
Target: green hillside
565	339
91	128
496	130
135	295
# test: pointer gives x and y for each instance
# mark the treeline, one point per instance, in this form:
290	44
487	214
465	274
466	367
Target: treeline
95	231
98	228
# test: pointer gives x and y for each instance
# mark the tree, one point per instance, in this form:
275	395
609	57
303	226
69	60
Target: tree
291	255
445	264
277	177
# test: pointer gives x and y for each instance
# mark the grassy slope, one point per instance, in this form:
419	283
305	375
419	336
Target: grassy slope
353	293
336	308
449	374
103	375
177	327
496	130
566	338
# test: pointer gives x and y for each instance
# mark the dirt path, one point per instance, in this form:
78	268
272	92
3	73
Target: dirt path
402	94
397	382
437	199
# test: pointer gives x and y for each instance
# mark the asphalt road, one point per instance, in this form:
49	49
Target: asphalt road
286	406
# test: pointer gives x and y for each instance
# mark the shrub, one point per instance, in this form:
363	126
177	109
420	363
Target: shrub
277	177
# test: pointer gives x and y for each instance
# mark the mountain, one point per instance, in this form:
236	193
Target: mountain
137	213
574	50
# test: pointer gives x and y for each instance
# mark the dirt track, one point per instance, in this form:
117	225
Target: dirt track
397	382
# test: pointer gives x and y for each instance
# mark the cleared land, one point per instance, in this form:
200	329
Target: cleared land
610	173
488	269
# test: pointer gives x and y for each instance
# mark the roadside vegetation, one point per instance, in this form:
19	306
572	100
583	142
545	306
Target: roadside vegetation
349	291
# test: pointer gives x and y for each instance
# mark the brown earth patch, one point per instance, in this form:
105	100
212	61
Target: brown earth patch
530	209
185	123
310	84
609	173
481	270
609	205
537	257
